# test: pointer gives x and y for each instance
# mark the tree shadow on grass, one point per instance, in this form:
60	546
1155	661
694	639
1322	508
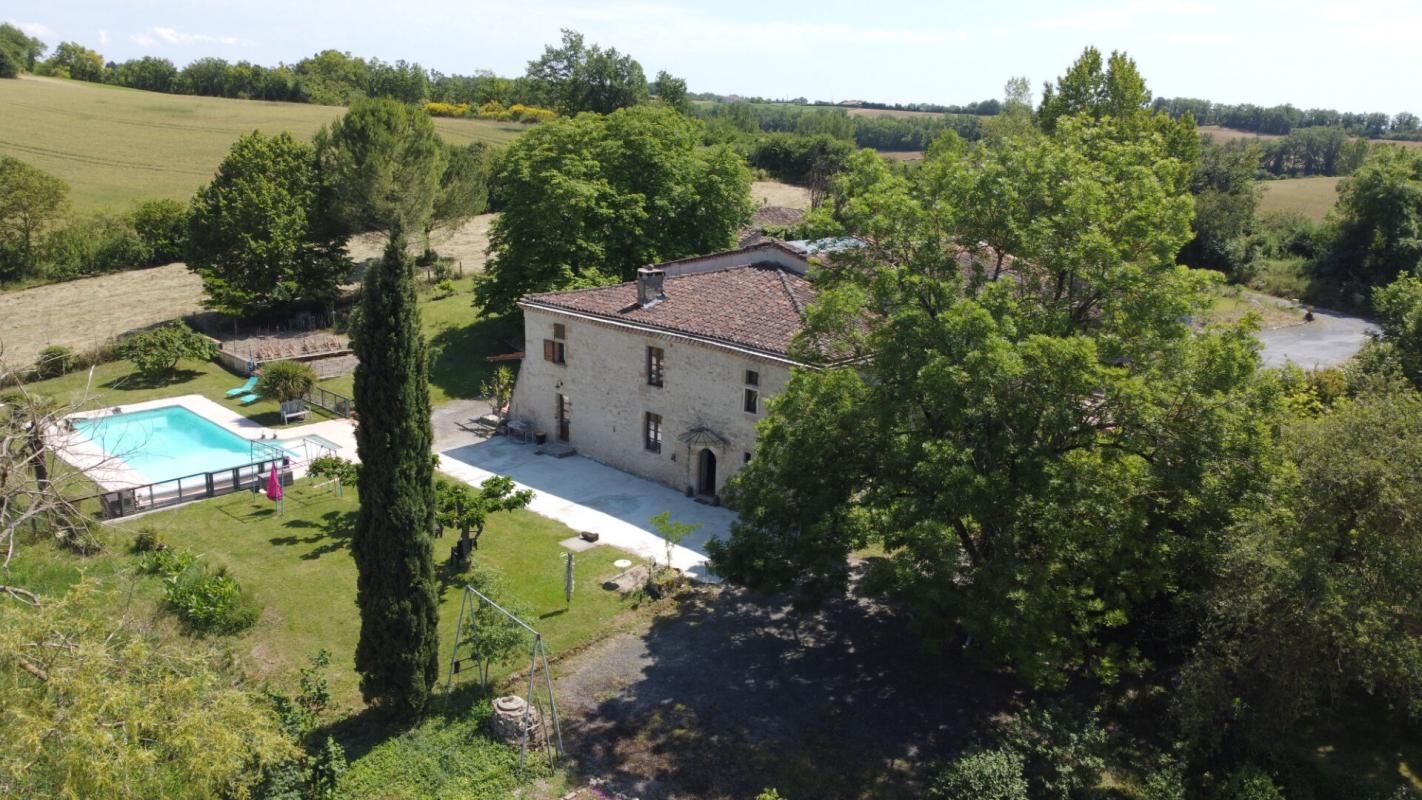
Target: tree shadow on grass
361	732
135	381
336	528
459	356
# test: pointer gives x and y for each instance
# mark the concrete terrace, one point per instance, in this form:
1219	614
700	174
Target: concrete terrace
588	496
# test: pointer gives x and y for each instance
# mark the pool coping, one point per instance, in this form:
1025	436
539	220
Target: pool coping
112	473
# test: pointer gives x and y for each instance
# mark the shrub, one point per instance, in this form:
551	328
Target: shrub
147	541
443	289
334	467
209	602
165	561
54	361
157	352
982	775
92	246
162	228
1061	746
286	380
1249	783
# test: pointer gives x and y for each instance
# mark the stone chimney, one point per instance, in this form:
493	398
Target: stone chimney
650	283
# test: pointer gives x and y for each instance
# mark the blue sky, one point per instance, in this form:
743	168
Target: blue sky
1348	56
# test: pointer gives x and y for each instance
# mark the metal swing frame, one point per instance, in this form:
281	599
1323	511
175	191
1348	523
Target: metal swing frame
537	654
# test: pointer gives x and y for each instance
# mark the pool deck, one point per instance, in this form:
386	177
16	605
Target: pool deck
112	473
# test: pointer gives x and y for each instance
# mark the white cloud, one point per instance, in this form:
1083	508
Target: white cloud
174	36
103	36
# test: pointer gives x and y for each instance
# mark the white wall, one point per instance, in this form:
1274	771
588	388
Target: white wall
605	376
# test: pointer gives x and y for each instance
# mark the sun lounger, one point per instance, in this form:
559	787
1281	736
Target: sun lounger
245	388
250	399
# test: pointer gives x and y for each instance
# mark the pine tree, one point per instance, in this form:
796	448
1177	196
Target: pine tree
397	656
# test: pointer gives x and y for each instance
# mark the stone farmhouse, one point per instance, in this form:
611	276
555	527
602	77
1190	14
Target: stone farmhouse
667	376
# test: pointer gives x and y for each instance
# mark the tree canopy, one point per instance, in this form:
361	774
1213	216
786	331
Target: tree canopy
260	234
1021	417
18	51
576	77
383	161
29	201
591	198
1379	221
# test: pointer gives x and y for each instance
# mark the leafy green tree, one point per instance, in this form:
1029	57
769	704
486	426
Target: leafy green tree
669	89
1226	197
1047	456
1399	309
150	73
260	234
397	655
29	201
463	190
1318	594
1379	221
575	77
156	353
465	510
331	78
499	391
984	775
383	161
162	227
206	76
72	60
18	51
119	711
493	637
286	380
672	532
589	199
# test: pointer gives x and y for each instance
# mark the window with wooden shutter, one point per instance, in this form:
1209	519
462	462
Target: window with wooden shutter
554	351
548	349
559	331
654	366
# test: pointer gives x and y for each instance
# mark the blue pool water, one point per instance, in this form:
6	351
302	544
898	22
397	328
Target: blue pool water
169	442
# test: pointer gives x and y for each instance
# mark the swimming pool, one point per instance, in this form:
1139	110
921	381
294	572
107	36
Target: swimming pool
170	442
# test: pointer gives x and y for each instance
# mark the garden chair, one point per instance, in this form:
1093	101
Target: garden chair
250	399
245	388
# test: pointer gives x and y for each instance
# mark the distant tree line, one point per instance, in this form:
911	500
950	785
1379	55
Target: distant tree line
1283	119
571	77
729	121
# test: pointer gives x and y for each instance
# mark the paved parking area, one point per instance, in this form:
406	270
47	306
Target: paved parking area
588	496
1328	341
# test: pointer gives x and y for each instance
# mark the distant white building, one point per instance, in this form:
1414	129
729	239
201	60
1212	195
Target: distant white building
667	376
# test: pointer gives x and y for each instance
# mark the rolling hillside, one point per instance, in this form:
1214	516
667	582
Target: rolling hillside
119	146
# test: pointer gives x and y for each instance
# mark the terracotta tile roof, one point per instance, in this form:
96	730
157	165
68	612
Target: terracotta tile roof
756	306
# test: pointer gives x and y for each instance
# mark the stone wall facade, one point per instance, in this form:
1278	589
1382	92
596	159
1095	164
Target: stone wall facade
604	379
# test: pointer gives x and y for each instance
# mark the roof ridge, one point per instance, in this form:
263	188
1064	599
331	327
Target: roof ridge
794	301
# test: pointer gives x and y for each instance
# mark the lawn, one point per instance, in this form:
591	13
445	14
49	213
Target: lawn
116	147
298	567
1312	197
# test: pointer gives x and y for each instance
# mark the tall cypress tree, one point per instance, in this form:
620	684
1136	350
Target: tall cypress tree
397	656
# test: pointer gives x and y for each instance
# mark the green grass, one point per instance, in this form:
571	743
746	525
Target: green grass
298	567
1312	197
1282	277
116	147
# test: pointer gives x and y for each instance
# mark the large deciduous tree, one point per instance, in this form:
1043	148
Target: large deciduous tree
29	201
1379	221
397	655
574	77
1009	402
18	51
260	234
1319	592
589	199
1226	196
383	161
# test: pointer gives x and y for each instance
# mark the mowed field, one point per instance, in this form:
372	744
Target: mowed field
115	146
1313	197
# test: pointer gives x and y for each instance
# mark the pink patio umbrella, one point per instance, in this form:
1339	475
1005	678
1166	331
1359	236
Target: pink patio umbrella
274	487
